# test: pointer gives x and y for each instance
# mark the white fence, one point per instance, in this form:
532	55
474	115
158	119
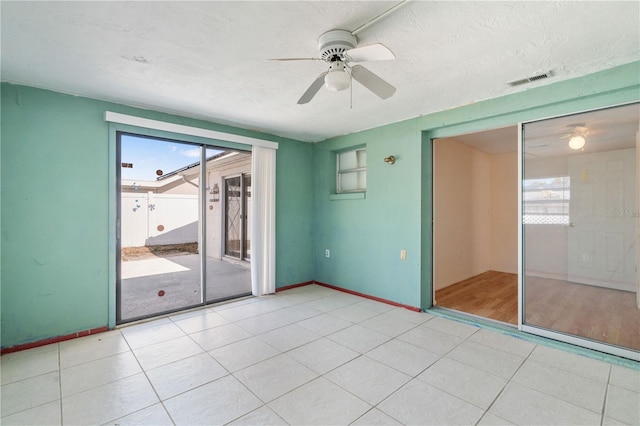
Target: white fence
156	219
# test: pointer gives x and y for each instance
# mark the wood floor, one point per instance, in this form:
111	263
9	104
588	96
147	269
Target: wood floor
490	295
596	313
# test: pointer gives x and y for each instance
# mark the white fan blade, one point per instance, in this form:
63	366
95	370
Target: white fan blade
313	89
372	82
295	59
373	52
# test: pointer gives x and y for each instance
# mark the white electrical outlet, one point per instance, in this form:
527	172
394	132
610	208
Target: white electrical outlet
327	253
403	255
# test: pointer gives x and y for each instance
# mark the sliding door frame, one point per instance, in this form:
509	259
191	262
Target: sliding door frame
539	331
202	222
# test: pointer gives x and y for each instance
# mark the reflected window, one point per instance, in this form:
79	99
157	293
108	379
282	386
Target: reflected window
546	201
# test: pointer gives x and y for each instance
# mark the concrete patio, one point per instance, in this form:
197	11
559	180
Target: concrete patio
160	284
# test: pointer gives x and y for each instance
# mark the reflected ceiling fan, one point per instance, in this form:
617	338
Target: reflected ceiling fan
338	48
577	137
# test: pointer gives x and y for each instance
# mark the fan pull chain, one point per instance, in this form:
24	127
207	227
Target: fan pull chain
351	91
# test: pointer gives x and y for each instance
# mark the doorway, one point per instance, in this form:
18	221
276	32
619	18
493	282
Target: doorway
475	224
237	197
169	226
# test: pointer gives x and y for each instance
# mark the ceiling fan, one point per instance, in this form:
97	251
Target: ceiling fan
338	48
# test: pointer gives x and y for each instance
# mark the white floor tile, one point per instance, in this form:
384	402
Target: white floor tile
223	363
388	325
571	387
331	303
188	314
431	339
238	313
29	393
521	405
419	403
374	305
45	414
375	417
403	356
183	375
325	324
263	416
512	345
408	315
162	353
368	379
147	334
623	405
155	415
288	337
492	420
219	336
97	373
319	402
322	355
274	377
108	402
244	353
608	421
623	377
467	383
493	361
355	313
296	296
584	366
201	322
272	303
263	323
358	338
29	363
297	313
456	328
218	402
90	348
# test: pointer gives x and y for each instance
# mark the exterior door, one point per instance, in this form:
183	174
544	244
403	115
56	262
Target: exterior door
237	199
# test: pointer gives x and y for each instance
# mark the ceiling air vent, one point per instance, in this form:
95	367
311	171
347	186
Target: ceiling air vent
531	79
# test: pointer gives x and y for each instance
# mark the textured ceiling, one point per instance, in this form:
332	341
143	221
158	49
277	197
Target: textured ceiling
209	59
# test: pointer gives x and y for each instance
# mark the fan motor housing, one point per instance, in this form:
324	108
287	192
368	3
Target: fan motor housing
335	42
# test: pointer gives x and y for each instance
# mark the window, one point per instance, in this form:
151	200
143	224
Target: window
546	201
351	170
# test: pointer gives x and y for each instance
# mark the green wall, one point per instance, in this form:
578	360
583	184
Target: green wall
365	236
58	189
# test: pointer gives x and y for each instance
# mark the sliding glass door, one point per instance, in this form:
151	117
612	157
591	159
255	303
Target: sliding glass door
580	227
171	229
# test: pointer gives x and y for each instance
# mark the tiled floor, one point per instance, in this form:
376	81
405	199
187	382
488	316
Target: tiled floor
311	355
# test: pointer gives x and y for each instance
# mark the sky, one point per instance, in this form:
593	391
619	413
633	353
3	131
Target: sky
149	155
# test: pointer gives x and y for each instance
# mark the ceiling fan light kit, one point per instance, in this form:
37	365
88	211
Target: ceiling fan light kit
339	49
337	78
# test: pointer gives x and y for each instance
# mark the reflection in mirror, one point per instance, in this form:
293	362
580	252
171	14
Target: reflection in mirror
580	225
